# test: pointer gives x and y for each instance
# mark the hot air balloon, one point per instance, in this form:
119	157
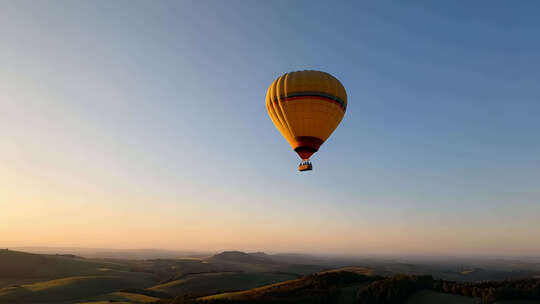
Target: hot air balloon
306	107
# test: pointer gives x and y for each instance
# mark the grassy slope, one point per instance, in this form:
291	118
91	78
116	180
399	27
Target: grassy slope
230	271
208	283
73	288
127	297
28	277
301	290
429	297
22	268
347	294
251	293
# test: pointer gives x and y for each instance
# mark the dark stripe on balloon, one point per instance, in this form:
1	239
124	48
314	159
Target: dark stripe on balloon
314	95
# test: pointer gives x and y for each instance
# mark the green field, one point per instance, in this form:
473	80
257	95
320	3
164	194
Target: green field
431	297
209	283
252	293
329	287
18	268
73	288
38	278
122	297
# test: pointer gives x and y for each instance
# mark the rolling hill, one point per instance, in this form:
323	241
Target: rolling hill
326	286
238	277
348	287
215	282
37	278
242	257
261	262
72	288
22	268
45	278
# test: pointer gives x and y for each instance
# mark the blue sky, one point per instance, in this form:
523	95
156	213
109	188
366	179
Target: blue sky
154	112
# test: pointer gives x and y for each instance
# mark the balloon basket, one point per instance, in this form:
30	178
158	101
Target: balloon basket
305	166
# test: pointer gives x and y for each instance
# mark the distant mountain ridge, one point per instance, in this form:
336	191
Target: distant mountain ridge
260	257
243	257
136	254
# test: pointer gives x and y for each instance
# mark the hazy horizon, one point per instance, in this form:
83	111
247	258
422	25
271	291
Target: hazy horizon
133	124
330	255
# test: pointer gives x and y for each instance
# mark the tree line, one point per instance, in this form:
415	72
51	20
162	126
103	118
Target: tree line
326	288
492	291
396	289
393	290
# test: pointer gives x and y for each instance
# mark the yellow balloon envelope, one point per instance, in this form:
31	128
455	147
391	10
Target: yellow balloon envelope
306	107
